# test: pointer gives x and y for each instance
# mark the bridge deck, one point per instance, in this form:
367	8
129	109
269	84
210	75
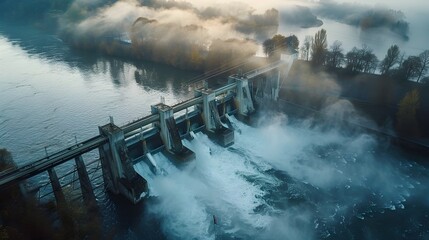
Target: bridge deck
262	70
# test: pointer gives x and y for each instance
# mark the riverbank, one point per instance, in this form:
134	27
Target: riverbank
374	101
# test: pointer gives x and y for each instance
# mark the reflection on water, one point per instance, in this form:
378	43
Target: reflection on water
51	93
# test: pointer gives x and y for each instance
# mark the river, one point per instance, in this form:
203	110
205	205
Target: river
280	180
378	40
50	94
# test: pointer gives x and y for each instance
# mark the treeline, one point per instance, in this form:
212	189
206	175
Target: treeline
397	85
186	47
209	38
315	49
395	64
178	33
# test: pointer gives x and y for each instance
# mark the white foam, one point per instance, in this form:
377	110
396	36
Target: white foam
214	184
229	183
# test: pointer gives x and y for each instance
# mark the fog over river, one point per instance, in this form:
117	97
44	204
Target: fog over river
282	179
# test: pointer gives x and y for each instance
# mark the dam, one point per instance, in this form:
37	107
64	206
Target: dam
278	179
120	147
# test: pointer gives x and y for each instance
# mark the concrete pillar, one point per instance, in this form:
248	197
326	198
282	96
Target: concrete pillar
170	134
56	188
85	183
214	128
118	172
209	120
243	98
109	157
165	112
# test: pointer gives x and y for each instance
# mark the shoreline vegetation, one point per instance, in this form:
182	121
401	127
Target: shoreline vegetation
395	89
400	108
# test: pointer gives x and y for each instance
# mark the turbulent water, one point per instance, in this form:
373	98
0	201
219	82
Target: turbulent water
289	181
280	180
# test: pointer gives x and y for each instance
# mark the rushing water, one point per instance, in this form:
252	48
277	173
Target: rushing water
290	181
280	180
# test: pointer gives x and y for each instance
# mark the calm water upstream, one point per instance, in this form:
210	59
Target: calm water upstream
49	94
279	180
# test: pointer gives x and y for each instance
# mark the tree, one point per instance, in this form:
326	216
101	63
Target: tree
292	44
305	48
319	47
370	61
406	117
424	61
410	68
391	58
352	60
280	44
268	47
361	60
335	56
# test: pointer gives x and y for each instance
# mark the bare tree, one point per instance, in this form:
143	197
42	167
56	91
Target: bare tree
424	61
391	58
319	47
335	55
361	60
370	61
410	68
352	60
401	59
305	48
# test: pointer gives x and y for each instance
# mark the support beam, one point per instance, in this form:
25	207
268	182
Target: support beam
56	188
85	183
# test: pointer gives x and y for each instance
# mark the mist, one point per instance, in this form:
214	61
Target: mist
170	32
300	16
282	180
365	17
285	178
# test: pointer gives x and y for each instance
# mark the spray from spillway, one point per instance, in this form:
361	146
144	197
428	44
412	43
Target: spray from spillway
278	181
218	184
